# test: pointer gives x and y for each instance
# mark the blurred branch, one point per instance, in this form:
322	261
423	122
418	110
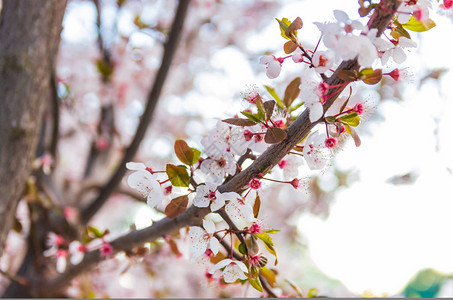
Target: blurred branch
106	56
153	97
19	279
263	164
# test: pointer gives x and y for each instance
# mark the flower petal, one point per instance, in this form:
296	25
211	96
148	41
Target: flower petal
209	226
273	69
214	245
198	242
135	166
341	16
220	265
316	111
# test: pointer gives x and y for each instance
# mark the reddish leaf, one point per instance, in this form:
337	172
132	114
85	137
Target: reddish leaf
183	152
256	206
239	122
269	108
372	78
347	75
294	26
274	135
177	206
289	47
291	92
174	247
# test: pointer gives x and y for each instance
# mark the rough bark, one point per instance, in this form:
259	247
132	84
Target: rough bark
29	38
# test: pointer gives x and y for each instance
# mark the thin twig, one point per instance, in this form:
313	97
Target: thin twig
153	97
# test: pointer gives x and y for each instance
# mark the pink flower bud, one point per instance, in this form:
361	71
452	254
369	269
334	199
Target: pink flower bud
296	183
395	74
106	249
248	135
282	164
330	142
358	108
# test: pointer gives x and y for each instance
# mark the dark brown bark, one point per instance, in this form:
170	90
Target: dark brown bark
29	38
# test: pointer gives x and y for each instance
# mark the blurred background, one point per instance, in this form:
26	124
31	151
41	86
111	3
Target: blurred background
377	222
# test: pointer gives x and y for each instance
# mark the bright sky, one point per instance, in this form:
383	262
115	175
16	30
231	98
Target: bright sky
378	235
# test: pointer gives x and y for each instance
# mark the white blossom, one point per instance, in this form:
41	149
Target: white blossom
233	271
208	195
203	239
273	65
240	211
147	184
77	252
217	168
397	52
316	154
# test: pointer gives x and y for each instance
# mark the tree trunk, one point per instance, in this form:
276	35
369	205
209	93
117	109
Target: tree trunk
29	38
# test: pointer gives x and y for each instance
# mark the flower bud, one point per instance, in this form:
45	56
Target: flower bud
252	246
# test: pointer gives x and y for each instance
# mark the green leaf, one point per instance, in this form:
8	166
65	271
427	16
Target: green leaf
291	92
269	275
269	108
330	119
284	24
178	175
274	135
176	206
274	95
256	284
96	232
268	243
312	293
419	26
196	155
293	108
253	272
242	249
289	47
351	119
184	152
261	110
271	231
250	116
399	31
239	122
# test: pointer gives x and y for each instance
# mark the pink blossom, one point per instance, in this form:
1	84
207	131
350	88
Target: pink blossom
331	142
255	184
106	249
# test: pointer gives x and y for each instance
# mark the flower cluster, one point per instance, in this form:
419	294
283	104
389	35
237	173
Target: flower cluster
265	122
